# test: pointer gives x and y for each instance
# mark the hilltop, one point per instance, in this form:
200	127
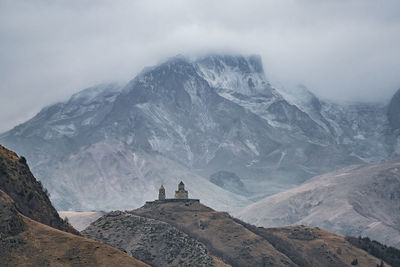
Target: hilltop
234	242
155	242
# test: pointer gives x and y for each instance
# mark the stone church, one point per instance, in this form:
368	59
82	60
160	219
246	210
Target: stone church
181	193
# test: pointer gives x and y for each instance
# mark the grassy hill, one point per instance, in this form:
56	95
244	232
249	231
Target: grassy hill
241	244
25	242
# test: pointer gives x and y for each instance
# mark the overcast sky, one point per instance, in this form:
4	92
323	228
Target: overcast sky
341	50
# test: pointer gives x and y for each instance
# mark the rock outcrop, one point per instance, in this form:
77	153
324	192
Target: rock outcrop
10	222
149	240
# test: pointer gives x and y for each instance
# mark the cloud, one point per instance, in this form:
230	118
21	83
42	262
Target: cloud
341	50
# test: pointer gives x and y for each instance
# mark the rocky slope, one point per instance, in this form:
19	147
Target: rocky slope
25	242
241	244
310	246
11	223
151	241
17	181
389	254
191	120
233	243
357	200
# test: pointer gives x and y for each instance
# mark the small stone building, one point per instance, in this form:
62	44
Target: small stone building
161	193
181	193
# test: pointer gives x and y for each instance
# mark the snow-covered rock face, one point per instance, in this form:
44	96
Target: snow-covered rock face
111	146
357	200
230	74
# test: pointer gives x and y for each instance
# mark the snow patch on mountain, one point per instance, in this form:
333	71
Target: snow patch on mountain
197	118
234	74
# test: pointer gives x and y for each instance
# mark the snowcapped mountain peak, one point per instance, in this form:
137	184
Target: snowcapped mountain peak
176	59
234	74
243	64
201	116
66	119
89	94
178	67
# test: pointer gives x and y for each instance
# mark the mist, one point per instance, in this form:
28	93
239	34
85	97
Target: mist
340	50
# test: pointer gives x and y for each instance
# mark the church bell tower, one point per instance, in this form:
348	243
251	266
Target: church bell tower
181	193
161	193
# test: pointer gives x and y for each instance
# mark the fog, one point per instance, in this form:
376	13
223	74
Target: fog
340	50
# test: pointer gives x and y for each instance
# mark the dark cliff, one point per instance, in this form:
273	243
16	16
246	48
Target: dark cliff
30	198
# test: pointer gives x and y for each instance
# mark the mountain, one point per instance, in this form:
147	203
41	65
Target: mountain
229	181
234	242
26	240
360	200
27	193
192	120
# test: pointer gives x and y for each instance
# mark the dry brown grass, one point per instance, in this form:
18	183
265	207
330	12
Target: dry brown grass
325	247
224	238
241	244
219	263
45	246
